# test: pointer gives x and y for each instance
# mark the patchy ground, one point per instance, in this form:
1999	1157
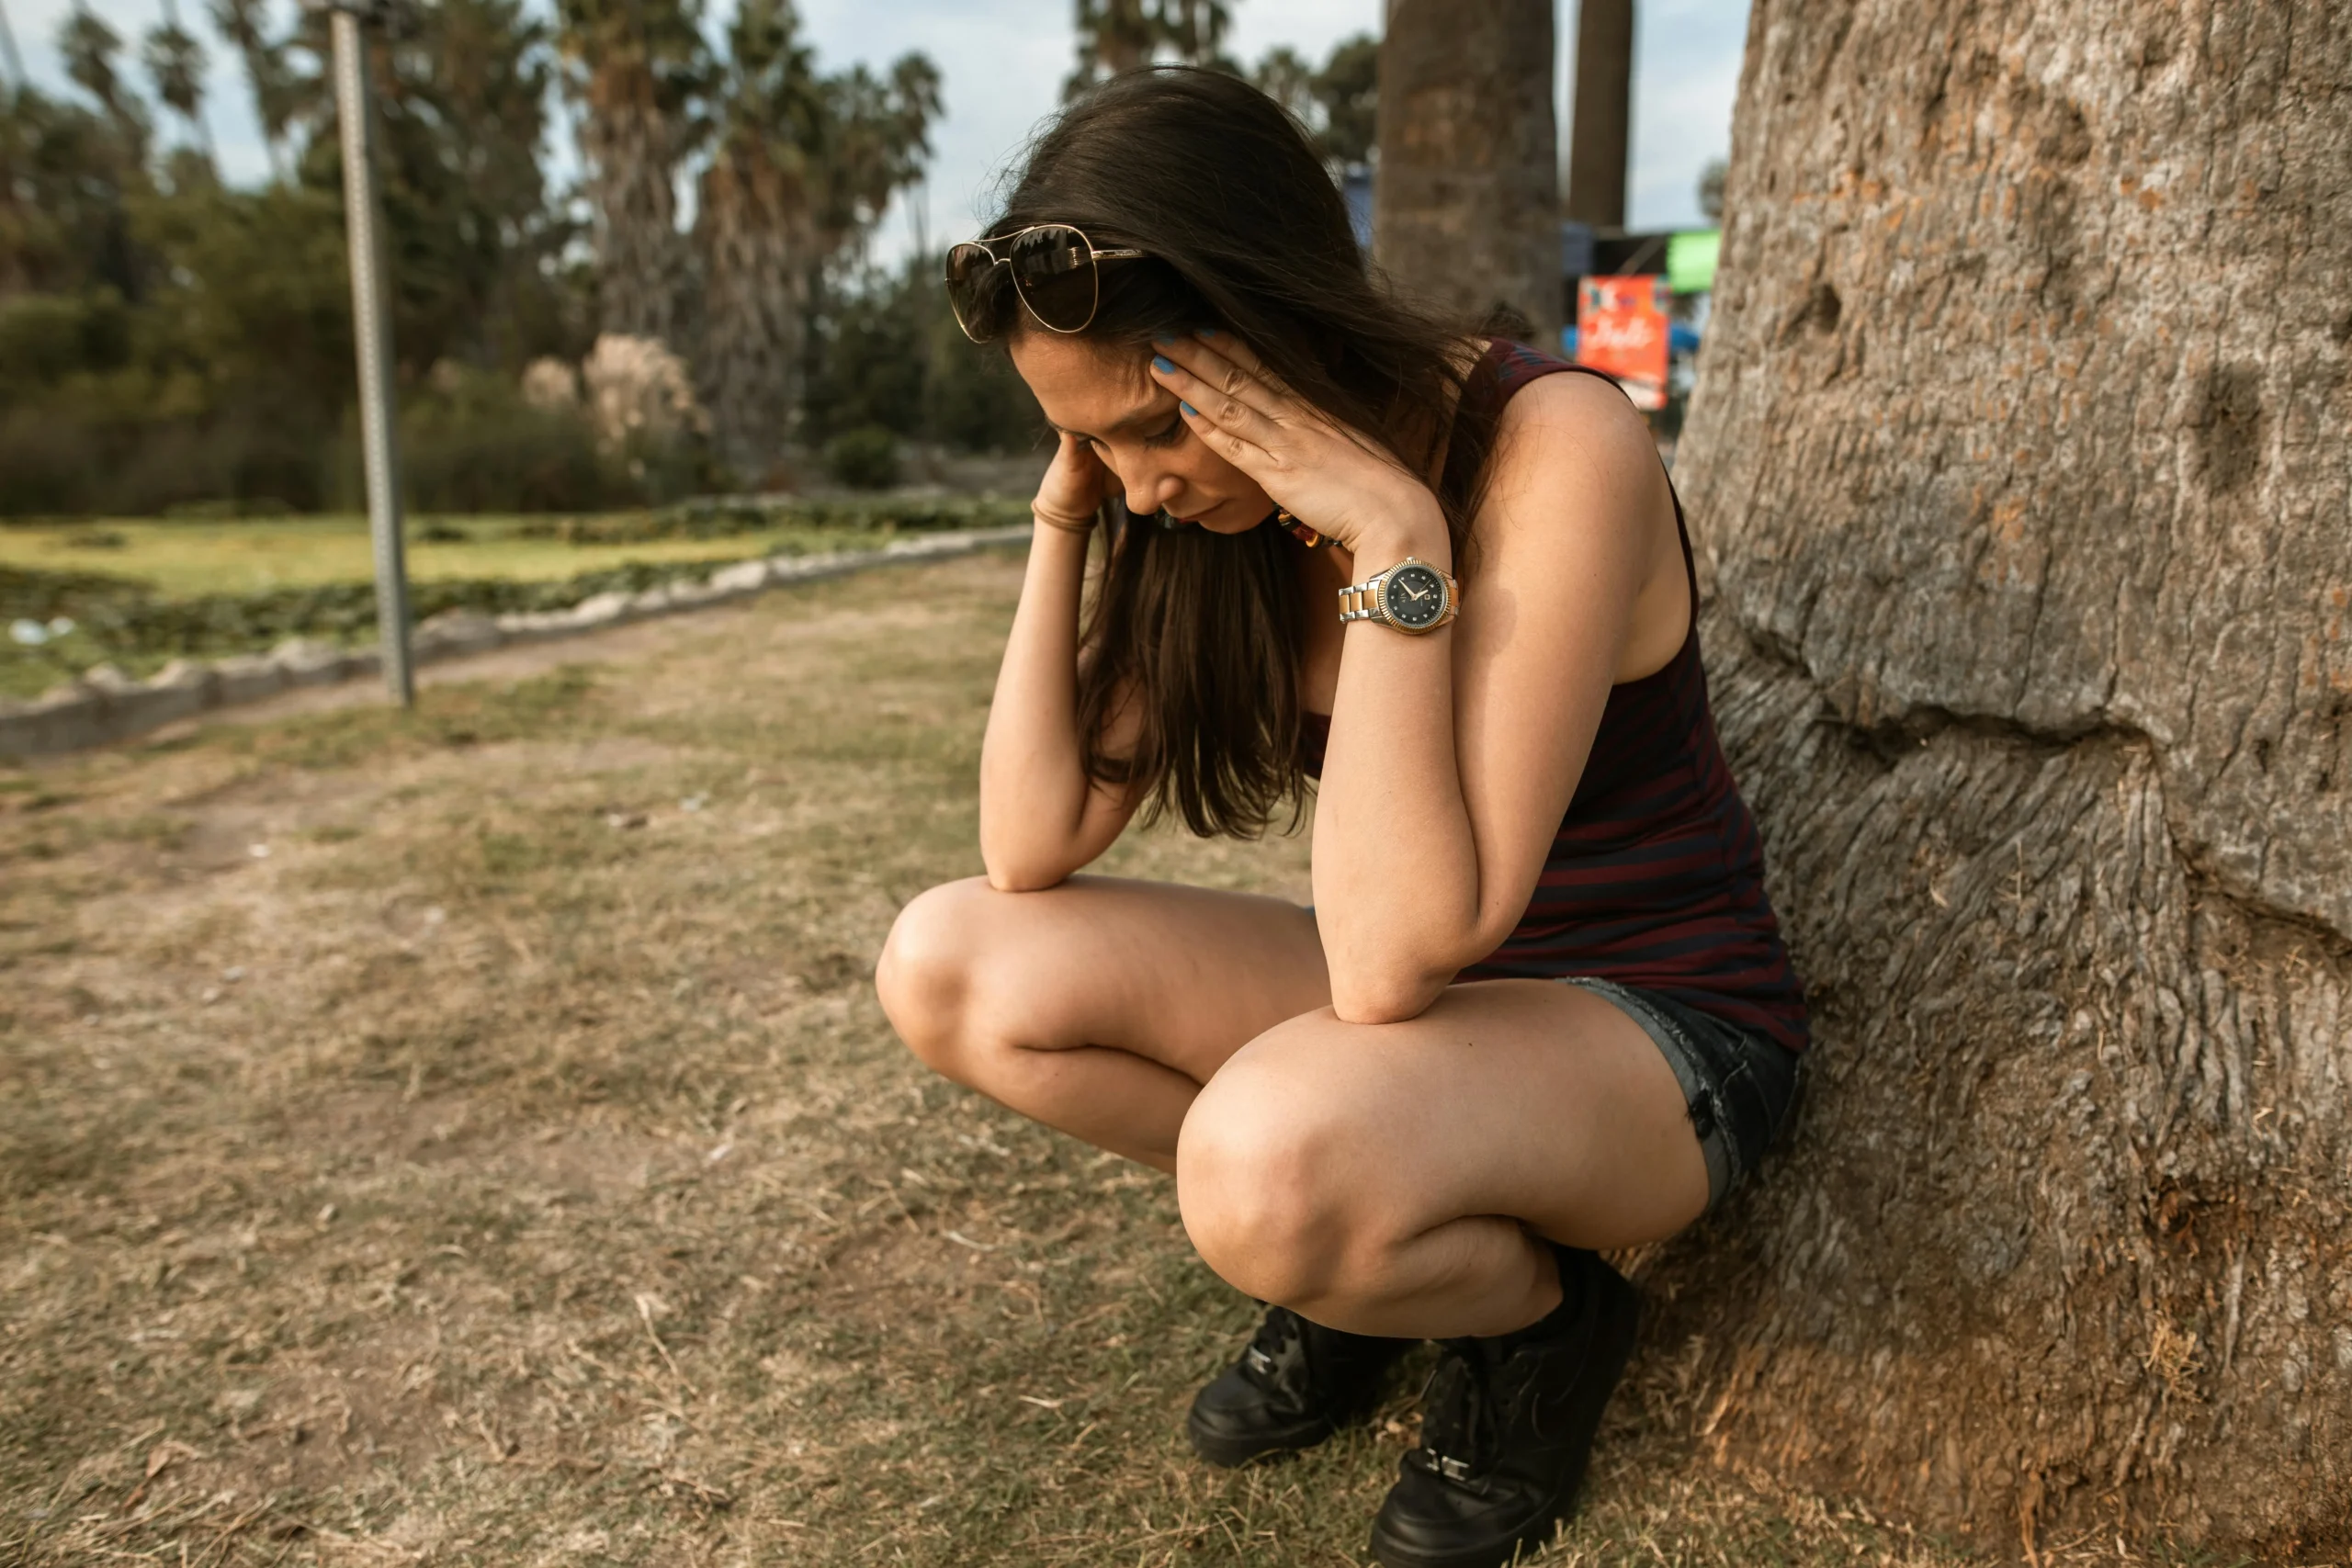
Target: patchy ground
471	1138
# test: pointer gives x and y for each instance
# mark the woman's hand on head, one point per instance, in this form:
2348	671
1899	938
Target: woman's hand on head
1336	481
1070	495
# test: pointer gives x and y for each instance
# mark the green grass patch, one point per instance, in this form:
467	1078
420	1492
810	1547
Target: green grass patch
138	594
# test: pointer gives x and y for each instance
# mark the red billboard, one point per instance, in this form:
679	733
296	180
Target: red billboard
1621	329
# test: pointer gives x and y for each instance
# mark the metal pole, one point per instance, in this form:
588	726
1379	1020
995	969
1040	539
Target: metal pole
380	440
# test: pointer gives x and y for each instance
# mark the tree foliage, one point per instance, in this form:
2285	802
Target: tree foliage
1336	101
1124	35
244	23
167	337
174	64
803	166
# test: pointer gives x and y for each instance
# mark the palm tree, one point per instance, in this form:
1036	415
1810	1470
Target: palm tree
89	47
489	68
1195	29
877	142
802	168
1125	35
174	63
244	24
755	229
1348	88
1288	78
1336	101
638	70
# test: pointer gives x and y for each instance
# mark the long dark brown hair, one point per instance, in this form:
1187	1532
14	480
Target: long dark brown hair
1244	230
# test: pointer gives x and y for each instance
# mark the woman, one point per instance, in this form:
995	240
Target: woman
1540	1006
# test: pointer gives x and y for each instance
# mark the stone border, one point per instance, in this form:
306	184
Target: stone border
106	706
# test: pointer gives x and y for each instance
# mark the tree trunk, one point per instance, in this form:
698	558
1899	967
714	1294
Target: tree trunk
754	224
2018	467
1603	117
1467	207
624	139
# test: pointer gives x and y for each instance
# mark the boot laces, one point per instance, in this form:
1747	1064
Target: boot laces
1460	1414
1260	1363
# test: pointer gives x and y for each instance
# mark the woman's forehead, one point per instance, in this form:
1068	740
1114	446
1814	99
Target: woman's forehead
1087	385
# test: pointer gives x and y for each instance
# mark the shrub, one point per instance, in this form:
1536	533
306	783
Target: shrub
486	450
864	458
636	388
46	461
227	510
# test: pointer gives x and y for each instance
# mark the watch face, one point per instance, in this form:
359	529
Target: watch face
1414	597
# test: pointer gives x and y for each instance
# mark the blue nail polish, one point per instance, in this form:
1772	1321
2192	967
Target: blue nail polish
1164	340
1188	408
1208	331
1162	365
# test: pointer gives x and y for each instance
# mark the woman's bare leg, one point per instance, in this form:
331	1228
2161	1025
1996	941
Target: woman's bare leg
1099	1006
1386	1178
1393	1179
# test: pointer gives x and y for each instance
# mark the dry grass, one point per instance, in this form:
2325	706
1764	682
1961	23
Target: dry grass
472	1139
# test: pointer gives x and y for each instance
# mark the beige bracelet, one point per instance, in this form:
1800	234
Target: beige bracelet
1066	526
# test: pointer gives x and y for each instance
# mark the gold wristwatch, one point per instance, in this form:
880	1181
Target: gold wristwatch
1413	596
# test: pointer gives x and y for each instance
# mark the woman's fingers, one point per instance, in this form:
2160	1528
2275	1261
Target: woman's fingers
1227	370
1211	402
1227	349
1248	457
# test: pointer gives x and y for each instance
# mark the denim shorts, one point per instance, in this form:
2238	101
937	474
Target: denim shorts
1738	1084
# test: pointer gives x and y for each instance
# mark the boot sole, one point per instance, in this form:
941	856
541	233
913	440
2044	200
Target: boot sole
1232	1450
1612	1348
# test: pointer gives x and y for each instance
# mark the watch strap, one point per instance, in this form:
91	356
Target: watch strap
1360	601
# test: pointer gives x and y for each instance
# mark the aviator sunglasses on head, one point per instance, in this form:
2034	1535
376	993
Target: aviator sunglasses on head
1056	271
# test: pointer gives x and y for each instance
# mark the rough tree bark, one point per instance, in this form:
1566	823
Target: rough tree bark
627	141
757	238
1467	209
2020	470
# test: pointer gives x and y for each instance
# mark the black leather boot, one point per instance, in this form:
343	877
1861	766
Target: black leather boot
1507	1430
1296	1384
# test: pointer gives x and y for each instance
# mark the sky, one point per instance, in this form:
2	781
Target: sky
1004	62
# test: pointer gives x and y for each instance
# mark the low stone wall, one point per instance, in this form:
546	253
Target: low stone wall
106	706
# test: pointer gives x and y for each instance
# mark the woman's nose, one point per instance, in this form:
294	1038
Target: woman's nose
1148	490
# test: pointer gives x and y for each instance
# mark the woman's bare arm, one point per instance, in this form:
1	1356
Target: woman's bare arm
1453	755
1041	817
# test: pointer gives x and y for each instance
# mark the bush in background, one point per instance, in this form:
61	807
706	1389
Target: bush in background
475	443
887	352
864	458
205	402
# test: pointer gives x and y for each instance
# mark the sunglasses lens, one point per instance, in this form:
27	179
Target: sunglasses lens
1054	267
965	263
972	275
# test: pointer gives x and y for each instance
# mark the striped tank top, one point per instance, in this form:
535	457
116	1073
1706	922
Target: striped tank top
1655	877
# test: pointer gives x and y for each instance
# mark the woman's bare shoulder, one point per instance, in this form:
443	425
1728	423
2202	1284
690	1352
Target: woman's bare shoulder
1568	418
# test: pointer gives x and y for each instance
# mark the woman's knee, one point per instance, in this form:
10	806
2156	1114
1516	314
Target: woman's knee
925	976
1262	1182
